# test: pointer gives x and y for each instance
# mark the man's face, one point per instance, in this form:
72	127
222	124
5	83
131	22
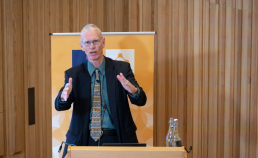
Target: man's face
93	52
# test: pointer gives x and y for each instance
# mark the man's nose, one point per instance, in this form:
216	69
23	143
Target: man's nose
92	45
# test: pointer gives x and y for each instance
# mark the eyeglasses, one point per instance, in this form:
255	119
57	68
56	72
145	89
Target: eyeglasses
88	43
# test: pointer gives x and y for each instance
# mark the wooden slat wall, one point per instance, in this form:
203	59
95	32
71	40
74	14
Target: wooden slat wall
160	58
245	83
204	86
221	79
205	69
37	70
2	127
14	129
229	75
254	89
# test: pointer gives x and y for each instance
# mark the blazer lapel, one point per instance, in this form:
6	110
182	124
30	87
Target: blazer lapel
85	82
111	91
111	84
85	95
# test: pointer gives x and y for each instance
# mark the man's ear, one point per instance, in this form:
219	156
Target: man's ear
81	46
104	42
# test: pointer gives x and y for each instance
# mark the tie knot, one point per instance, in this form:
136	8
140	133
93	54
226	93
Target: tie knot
97	75
97	71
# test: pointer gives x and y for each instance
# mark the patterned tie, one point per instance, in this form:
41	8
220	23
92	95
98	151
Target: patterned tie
95	131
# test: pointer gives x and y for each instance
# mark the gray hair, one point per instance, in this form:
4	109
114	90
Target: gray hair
89	27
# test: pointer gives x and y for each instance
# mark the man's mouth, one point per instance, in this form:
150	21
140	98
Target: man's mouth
93	52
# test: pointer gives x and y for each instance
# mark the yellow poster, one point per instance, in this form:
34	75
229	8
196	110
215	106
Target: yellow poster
137	49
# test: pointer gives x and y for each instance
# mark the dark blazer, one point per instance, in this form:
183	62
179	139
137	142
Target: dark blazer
80	96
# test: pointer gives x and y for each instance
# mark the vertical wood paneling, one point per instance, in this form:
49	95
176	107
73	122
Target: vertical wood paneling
237	84
60	20
221	81
254	88
39	123
169	64
190	74
147	15
46	82
133	15
199	147
161	32
213	82
109	16
2	140
255	7
26	48
121	15
125	13
2	127
8	58
197	79
2	57
74	18
174	61
52	15
140	14
212	1
229	78
30	72
63	16
96	13
155	114
239	4
167	68
84	13
205	82
245	83
182	82
231	3
247	5
222	2
40	86
14	77
33	77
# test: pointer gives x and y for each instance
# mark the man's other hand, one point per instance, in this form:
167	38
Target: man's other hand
67	90
126	84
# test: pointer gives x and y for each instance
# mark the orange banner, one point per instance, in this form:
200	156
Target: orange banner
138	50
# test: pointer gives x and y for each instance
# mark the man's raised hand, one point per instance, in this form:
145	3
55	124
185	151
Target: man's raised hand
67	90
126	84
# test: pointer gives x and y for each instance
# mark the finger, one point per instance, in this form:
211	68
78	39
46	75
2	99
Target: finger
66	89
70	81
123	79
67	85
122	76
119	78
63	97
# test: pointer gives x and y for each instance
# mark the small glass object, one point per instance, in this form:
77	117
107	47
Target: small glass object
170	131
176	140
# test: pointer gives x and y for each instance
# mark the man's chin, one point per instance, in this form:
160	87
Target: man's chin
94	59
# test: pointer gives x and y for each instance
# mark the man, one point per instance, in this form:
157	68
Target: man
98	89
